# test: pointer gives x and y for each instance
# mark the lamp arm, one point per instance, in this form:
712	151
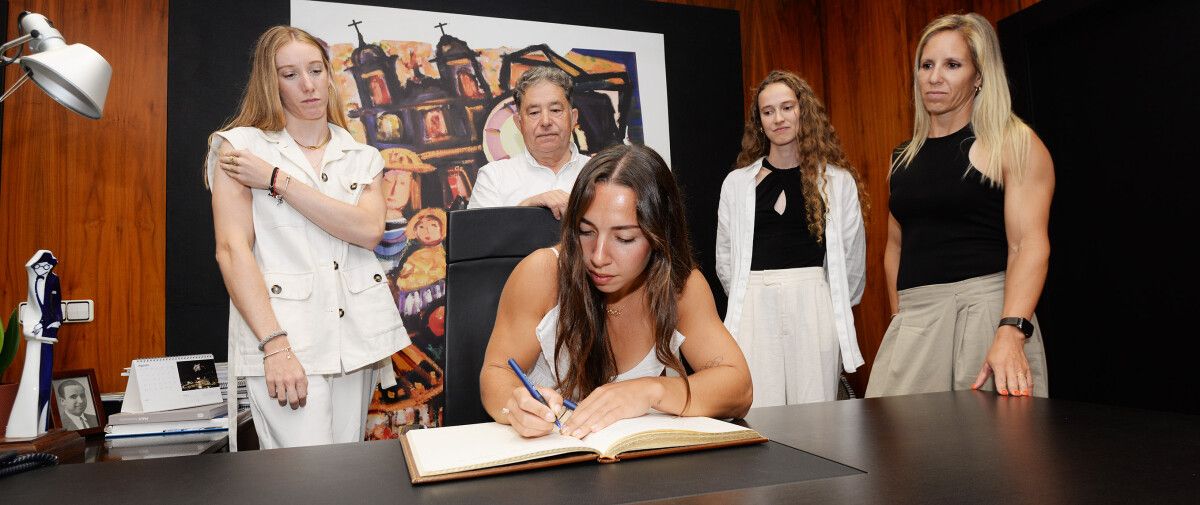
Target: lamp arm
17	42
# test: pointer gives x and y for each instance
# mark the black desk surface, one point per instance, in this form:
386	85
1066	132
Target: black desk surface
964	447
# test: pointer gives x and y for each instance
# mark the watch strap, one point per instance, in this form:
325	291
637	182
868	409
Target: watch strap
1025	325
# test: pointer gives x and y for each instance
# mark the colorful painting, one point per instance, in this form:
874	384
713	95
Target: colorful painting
433	92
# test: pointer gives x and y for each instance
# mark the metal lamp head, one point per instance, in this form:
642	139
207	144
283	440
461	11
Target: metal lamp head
75	75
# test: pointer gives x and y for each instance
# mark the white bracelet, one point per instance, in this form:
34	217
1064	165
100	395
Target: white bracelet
263	344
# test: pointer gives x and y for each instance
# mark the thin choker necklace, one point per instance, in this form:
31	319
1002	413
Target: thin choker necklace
318	146
613	311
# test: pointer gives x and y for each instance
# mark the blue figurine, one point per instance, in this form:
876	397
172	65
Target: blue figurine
41	320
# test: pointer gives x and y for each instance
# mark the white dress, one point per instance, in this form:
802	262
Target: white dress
544	369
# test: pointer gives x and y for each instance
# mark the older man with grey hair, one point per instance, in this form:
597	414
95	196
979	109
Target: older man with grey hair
542	176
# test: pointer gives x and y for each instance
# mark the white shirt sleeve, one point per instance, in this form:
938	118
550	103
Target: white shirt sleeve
724	250
854	238
486	192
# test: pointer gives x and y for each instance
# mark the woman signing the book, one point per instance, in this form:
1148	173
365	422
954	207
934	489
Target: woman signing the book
296	210
604	317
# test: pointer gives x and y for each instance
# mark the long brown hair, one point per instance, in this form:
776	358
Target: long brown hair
819	145
582	332
261	106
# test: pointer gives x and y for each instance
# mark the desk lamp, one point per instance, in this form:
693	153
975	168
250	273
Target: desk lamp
74	75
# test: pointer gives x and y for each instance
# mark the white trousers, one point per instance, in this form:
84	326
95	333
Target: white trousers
335	412
788	336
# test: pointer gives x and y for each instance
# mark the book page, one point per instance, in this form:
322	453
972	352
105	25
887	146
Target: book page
454	449
659	424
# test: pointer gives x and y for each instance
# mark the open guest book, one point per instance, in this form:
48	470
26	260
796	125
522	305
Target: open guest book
475	450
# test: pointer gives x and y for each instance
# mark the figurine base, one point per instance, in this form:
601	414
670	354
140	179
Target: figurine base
67	445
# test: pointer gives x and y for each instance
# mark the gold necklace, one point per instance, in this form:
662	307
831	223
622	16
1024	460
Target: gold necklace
613	311
318	146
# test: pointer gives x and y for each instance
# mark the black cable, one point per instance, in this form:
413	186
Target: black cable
24	462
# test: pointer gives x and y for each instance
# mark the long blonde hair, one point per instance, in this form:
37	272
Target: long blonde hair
261	106
819	145
1000	133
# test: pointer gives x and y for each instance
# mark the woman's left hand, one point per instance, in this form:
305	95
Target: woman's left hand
246	168
612	402
1007	363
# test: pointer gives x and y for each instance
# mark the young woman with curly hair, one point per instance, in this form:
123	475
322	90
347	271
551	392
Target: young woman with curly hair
791	248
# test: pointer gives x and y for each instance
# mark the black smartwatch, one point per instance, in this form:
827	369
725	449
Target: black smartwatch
1025	325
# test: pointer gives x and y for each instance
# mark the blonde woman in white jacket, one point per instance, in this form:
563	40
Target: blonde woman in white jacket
791	248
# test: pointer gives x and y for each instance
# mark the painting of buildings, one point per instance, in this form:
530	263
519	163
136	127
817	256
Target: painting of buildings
438	109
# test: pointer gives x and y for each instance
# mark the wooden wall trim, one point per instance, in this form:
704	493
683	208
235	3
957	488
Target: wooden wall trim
93	191
856	56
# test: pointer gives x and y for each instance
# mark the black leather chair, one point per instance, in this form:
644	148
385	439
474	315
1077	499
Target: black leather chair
482	248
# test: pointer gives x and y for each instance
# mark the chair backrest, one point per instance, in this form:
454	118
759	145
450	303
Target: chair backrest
482	248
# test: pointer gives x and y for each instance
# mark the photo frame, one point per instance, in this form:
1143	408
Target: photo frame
75	400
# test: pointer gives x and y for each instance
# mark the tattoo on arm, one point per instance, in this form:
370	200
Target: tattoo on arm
716	361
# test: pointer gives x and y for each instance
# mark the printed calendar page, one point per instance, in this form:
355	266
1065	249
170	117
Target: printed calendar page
173	382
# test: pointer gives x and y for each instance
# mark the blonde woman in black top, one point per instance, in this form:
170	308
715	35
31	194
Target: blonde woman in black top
967	248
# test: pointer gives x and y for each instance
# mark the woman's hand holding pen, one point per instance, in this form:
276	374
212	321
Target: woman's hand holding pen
612	402
247	169
528	416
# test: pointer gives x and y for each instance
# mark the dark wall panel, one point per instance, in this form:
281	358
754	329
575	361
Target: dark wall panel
1117	112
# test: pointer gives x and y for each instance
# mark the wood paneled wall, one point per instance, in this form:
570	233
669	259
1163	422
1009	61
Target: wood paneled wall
105	179
93	191
856	55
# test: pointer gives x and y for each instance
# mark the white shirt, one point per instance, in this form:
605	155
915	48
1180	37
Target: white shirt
506	183
331	296
845	245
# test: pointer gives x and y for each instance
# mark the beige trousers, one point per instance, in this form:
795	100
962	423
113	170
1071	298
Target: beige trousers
940	338
789	338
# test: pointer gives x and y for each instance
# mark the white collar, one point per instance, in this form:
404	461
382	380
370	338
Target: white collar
340	139
533	162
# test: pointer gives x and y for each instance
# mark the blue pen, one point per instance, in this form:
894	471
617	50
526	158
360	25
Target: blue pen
533	391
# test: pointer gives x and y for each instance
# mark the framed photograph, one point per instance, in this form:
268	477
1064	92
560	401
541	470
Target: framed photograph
75	405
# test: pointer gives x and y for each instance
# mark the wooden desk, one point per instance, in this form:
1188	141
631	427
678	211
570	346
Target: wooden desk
964	447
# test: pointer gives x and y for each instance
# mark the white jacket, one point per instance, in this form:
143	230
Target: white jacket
845	245
330	296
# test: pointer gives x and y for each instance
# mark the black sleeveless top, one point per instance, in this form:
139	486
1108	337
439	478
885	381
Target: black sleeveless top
782	241
951	220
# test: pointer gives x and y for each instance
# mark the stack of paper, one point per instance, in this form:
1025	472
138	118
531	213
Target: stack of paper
223	377
206	418
161	446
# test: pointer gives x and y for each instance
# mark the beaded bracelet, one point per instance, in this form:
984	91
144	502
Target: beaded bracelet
271	186
277	351
263	344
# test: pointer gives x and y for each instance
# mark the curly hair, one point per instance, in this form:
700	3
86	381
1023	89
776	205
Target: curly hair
818	144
